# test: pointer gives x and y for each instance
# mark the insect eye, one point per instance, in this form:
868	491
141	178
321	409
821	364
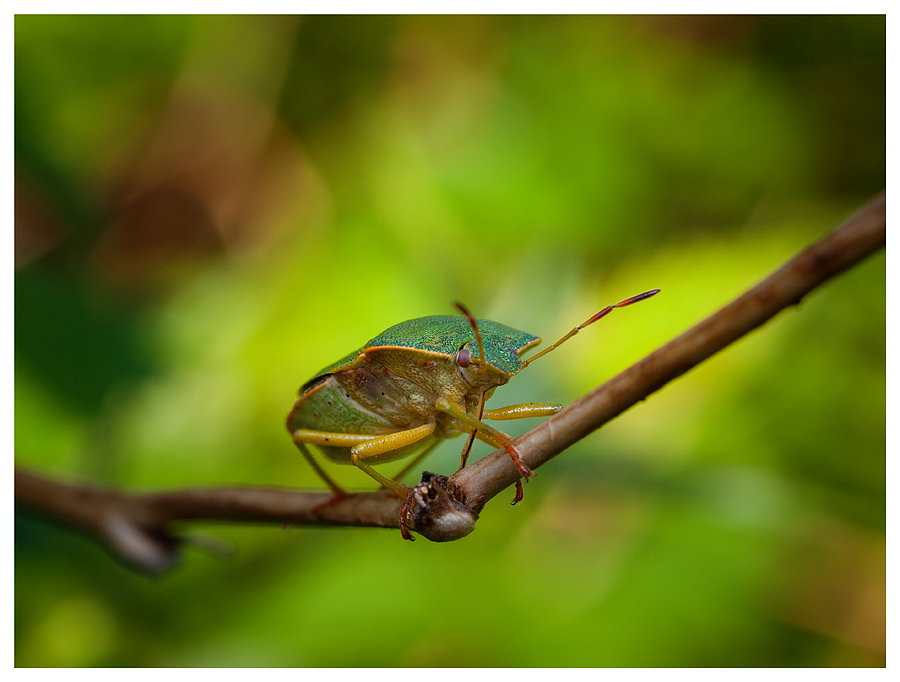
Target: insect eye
463	358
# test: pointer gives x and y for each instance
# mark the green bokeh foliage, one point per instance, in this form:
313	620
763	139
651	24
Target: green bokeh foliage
210	209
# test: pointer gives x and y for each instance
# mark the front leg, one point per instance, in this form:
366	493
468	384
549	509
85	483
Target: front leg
522	411
485	433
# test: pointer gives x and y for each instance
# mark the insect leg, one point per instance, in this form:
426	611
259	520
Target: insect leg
485	433
337	440
522	411
471	439
415	461
303	436
386	443
338	492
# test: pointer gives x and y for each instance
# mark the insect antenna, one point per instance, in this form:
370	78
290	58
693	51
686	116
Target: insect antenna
603	313
468	448
481	362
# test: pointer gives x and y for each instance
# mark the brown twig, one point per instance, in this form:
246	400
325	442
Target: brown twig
139	526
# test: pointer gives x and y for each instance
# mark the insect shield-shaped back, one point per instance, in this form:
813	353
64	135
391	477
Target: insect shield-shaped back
447	335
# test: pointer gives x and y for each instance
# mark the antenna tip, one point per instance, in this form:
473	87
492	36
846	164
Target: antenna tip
635	299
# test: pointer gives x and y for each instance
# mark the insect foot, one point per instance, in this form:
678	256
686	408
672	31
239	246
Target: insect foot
435	512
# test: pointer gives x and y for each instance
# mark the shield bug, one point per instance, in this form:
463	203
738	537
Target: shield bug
414	384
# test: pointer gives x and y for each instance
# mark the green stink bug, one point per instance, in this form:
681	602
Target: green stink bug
414	384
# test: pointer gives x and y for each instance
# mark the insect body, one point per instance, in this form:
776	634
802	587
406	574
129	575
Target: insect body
416	383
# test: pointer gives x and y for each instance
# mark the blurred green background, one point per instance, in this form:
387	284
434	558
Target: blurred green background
210	209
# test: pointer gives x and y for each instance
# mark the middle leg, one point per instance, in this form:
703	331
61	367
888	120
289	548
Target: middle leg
485	433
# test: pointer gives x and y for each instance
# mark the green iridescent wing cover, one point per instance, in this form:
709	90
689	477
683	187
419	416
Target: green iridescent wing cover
444	334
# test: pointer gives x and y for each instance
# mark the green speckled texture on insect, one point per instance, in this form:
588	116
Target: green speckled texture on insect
446	334
328	407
